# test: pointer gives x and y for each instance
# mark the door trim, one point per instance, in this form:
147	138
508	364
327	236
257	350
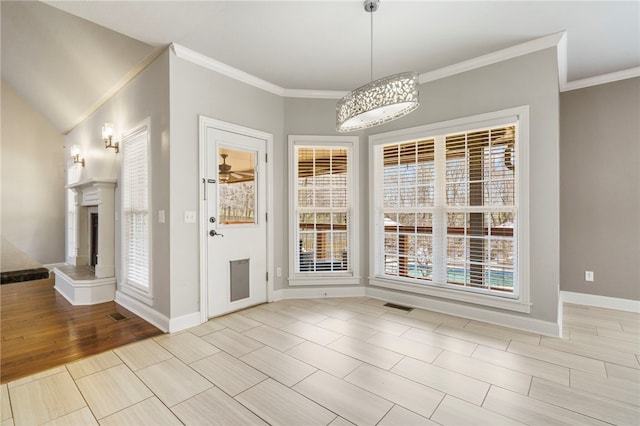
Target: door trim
205	123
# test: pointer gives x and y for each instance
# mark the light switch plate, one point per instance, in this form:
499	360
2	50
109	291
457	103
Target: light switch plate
161	216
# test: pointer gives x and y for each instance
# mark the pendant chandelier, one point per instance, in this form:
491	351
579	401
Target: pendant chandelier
379	101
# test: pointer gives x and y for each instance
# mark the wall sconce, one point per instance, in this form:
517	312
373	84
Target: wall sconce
107	136
75	155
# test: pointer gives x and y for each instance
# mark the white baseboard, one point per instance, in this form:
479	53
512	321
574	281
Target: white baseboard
416	301
560	309
600	301
479	314
145	312
320	292
276	295
184	321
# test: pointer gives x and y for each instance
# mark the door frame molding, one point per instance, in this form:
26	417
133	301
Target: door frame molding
205	123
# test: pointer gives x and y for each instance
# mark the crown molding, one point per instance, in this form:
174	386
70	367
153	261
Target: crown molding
224	69
562	61
601	79
541	43
558	40
316	94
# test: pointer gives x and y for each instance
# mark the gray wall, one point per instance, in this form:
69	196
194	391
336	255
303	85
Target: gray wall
318	117
146	96
600	189
527	80
196	91
33	210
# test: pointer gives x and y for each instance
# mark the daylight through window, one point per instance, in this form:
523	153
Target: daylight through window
322	200
448	210
135	208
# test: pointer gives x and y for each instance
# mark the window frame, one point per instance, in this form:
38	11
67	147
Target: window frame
71	242
351	276
519	300
74	171
139	292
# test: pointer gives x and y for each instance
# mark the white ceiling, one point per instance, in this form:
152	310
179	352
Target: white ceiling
319	45
61	64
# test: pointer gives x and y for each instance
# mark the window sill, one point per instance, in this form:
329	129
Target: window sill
324	280
457	295
137	294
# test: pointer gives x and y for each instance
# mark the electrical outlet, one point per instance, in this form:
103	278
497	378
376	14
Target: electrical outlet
161	216
189	217
588	276
278	272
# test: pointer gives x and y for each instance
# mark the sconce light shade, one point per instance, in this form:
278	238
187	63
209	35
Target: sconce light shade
75	155
107	131
107	136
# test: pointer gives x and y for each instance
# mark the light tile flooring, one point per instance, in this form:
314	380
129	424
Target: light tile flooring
348	361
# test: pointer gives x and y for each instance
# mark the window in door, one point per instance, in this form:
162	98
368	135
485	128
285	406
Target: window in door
237	188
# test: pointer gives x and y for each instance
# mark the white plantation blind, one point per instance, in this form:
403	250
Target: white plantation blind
447	210
408	208
481	208
71	224
323	197
73	173
135	207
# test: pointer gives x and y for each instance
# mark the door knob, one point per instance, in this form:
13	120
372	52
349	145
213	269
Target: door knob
213	233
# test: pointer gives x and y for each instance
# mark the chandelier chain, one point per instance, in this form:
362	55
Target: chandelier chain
371	78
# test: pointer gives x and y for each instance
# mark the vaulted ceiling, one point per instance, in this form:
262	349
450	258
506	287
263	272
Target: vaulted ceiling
67	57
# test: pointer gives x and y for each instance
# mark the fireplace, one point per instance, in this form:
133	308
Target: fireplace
93	238
89	276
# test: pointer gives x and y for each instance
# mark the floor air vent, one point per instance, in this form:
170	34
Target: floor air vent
402	308
117	316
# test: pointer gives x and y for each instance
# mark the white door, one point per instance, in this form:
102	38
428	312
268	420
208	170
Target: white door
236	221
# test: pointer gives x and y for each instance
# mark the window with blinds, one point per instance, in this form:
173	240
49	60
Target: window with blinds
135	210
73	176
71	224
408	207
322	213
481	210
447	210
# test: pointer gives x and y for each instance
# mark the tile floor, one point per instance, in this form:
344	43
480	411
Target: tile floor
348	361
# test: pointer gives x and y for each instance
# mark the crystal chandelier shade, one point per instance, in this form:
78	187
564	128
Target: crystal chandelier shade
379	101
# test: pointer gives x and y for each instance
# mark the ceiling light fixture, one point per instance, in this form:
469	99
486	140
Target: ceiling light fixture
378	101
224	169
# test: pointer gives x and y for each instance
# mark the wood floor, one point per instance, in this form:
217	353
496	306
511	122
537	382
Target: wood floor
349	361
41	329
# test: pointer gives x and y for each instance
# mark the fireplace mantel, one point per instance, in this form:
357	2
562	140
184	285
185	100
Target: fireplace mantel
95	191
91	194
